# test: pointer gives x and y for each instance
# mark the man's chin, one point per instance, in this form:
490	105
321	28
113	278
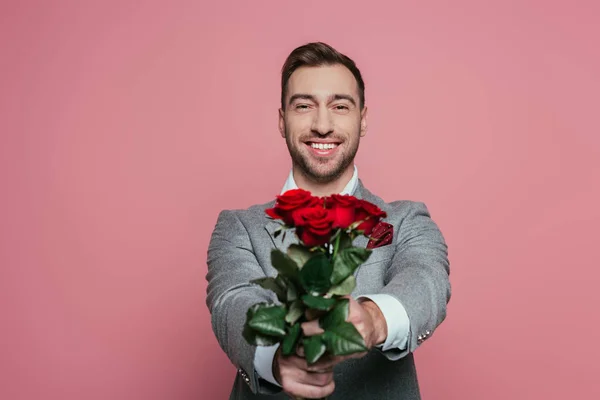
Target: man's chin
322	170
324	175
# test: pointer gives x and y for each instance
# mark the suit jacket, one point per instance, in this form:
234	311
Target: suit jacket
414	268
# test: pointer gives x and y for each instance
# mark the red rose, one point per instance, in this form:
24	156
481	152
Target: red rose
290	202
343	208
314	225
369	214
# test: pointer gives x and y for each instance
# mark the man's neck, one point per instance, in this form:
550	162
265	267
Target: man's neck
323	189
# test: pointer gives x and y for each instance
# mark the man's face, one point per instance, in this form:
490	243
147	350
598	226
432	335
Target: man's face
322	122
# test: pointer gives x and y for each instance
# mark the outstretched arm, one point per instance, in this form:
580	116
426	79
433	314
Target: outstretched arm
418	276
232	264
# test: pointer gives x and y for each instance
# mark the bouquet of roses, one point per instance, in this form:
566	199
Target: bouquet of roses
315	275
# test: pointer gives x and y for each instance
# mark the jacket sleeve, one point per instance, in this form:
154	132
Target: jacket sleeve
419	275
232	264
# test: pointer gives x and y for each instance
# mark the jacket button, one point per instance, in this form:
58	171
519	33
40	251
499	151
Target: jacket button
244	376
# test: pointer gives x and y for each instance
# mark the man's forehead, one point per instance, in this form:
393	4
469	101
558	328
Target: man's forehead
323	81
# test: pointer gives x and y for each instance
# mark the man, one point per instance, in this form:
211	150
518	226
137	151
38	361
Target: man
402	290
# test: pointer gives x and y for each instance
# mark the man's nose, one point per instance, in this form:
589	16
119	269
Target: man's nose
322	124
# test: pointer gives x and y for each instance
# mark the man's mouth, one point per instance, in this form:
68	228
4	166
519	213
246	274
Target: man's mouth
323	146
322	149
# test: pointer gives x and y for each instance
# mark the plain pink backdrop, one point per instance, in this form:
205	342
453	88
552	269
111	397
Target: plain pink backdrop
127	126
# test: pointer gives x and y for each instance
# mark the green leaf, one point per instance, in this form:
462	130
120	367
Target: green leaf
338	315
318	302
268	319
344	288
343	339
251	335
291	293
295	311
299	254
314	348
346	262
273	285
345	241
257	339
252	310
282	263
316	274
289	341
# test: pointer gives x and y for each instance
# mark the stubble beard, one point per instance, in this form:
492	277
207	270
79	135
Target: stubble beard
310	167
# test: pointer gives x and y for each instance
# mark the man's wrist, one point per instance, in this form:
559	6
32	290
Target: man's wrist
379	322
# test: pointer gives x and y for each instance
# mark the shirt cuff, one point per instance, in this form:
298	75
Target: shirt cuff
263	362
398	324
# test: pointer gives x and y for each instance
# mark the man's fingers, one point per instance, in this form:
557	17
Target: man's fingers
298	389
311	328
317	379
325	363
293	361
299	382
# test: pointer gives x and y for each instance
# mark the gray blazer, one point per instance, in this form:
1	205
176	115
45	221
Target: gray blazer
414	269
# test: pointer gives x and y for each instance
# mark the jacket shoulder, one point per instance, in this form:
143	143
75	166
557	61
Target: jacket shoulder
397	206
408	207
254	211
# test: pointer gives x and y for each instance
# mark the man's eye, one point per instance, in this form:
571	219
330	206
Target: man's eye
302	107
341	107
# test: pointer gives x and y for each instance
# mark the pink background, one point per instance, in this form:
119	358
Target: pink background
127	126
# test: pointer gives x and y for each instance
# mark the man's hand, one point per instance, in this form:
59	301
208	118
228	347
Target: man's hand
315	381
298	379
368	319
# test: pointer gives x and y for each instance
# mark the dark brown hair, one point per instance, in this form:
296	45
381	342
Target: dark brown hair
317	54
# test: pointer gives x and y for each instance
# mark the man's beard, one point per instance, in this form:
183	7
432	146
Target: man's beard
309	166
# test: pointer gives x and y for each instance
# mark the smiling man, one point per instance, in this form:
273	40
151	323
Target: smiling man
322	118
402	290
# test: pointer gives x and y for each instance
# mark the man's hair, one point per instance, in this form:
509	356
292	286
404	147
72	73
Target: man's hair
318	54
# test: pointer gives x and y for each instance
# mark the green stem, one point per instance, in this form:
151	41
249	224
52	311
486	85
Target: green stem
337	243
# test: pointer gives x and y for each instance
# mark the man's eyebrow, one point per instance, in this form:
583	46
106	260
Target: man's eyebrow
343	97
314	100
297	96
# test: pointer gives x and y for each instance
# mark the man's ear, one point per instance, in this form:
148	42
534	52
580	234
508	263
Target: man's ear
282	122
363	122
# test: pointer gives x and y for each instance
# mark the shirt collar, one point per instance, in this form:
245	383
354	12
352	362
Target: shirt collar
290	183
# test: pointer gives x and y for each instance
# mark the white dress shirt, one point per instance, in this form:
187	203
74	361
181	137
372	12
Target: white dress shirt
393	311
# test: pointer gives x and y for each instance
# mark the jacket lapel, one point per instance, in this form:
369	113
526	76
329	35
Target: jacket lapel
281	242
361	241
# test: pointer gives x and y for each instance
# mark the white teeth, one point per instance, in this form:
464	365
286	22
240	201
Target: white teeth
323	146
